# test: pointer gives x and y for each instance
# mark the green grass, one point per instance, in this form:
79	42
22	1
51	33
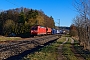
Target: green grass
67	52
48	52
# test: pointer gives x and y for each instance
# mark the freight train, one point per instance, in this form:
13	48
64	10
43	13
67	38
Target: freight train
40	30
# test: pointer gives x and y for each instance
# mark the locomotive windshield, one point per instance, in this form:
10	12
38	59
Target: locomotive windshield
34	28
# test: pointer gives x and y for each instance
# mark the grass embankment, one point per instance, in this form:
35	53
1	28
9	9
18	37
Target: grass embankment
3	38
48	52
67	52
84	53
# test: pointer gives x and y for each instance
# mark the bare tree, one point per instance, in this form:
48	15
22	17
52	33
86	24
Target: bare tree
82	22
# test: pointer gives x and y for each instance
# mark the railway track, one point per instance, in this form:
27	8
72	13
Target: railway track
12	48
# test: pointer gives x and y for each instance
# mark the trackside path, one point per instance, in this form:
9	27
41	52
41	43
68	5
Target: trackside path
77	55
60	56
72	41
66	50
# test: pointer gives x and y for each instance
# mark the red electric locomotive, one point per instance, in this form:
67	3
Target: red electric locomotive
38	30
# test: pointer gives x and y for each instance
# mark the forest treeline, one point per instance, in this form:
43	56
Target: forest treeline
20	20
81	23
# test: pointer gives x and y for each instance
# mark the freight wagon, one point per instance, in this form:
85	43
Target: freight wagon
49	30
54	31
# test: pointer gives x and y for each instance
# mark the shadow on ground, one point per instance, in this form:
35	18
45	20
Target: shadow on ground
84	53
21	55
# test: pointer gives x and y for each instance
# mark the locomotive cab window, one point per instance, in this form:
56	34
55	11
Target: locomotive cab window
34	28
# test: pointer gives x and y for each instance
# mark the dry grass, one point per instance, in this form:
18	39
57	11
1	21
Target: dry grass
3	38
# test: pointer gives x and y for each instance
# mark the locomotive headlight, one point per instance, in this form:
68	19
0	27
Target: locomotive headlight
35	31
31	31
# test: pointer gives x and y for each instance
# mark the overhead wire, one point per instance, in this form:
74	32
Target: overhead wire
12	3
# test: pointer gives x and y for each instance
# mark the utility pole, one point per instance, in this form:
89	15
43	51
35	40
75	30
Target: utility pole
59	23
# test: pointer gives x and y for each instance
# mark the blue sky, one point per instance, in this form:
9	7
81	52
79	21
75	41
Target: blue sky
58	9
